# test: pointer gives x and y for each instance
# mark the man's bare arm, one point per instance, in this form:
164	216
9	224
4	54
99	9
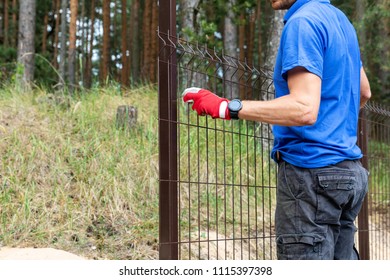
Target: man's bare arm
365	91
298	108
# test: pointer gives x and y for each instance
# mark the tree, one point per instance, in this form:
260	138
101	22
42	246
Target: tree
1	23
56	33
147	21
230	46
26	48
243	29
6	23
105	62
64	7
276	28
72	44
88	61
44	29
259	17
14	26
124	74
134	44
154	44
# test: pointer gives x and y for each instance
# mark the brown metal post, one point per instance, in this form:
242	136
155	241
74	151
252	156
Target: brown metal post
167	87
364	236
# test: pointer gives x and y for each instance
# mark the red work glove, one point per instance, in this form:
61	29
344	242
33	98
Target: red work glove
207	103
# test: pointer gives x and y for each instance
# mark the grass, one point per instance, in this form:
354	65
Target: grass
379	166
70	179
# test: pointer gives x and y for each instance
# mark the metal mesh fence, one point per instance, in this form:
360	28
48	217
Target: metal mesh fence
218	182
378	123
226	177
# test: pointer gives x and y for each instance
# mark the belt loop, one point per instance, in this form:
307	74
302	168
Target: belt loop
278	156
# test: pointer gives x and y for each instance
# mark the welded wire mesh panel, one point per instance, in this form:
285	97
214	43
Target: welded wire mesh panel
226	178
221	197
378	118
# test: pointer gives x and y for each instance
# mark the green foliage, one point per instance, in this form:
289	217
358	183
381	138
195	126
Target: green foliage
377	51
45	74
7	63
375	45
207	21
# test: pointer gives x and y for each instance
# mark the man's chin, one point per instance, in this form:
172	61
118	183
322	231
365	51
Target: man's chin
281	5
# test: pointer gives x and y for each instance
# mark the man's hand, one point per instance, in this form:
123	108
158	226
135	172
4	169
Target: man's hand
207	103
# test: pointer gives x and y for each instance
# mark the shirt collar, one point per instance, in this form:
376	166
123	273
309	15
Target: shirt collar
298	4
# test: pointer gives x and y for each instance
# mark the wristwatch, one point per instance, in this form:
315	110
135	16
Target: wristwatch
234	107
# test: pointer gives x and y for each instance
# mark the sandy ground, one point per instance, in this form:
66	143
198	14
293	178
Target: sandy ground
7	253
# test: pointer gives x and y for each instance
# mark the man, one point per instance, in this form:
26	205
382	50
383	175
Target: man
320	86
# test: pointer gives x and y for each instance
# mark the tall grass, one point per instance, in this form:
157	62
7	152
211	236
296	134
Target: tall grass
70	179
379	166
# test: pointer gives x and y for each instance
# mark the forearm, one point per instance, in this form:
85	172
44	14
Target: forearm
286	111
298	108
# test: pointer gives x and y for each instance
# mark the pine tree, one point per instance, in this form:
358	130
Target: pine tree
26	48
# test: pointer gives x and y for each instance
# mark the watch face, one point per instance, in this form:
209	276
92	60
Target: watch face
235	105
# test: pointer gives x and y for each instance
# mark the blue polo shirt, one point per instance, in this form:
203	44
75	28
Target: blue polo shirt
320	38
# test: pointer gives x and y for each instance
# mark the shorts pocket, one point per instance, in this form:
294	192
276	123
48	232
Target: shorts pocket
333	192
300	246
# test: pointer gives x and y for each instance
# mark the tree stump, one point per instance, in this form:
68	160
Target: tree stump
126	117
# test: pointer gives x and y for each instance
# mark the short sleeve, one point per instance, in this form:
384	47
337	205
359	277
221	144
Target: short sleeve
303	45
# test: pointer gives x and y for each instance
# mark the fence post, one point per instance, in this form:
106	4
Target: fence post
364	236
167	88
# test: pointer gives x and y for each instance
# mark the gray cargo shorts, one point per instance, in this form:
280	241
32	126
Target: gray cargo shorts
316	210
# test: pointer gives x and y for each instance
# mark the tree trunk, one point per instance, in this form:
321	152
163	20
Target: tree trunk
124	48
6	24
14	27
147	21
276	28
64	7
251	39
154	44
44	32
135	53
241	46
129	43
1	23
88	62
26	49
106	42
84	43
230	46
384	74
126	117
56	34
189	18
259	19
250	42
72	45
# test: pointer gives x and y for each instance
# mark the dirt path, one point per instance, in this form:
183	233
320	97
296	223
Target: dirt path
7	253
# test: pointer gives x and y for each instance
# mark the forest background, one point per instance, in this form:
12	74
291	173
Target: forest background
69	178
82	43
